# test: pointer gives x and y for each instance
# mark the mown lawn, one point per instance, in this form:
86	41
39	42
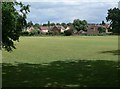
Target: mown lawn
47	49
76	61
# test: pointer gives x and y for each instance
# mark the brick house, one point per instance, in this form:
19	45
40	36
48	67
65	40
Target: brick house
29	29
92	29
44	29
57	28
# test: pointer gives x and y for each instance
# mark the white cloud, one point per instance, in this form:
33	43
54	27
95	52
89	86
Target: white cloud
41	12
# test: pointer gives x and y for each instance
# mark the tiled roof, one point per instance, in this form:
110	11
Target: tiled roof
43	28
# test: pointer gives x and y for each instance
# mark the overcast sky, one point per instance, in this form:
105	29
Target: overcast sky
94	11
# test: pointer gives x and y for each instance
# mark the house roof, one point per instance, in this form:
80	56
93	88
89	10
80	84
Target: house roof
57	26
107	25
92	29
91	26
43	27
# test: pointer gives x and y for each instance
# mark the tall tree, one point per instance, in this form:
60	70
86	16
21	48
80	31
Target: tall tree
64	25
101	29
52	24
114	18
36	25
79	24
57	23
48	23
45	24
29	24
13	20
103	23
69	24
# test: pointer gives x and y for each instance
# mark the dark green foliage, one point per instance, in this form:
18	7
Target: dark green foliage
52	24
53	33
57	23
34	32
12	23
29	24
114	18
80	25
101	29
24	33
103	23
69	24
36	25
48	23
64	25
62	33
68	32
45	25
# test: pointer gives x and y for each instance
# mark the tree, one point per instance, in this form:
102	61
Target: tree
36	25
79	24
13	21
63	24
48	23
84	23
52	24
101	29
114	18
69	24
103	23
57	23
34	32
29	24
68	32
45	24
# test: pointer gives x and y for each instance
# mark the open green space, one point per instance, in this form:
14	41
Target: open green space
48	49
75	61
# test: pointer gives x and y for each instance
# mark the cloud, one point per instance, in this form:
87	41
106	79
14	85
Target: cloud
65	11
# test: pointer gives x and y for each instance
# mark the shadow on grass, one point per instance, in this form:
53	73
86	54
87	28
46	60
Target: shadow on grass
62	74
114	52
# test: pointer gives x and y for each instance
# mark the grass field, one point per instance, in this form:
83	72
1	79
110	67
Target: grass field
83	61
47	49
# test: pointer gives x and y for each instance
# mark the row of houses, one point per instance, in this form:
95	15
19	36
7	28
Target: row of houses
56	28
46	29
91	29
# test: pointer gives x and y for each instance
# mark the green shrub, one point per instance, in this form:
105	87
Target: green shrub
68	32
24	33
34	32
62	33
50	33
101	29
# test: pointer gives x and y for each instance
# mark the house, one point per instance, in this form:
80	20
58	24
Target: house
82	32
67	28
29	29
57	28
107	26
92	29
44	29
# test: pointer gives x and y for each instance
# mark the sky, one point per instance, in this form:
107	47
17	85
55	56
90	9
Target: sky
58	11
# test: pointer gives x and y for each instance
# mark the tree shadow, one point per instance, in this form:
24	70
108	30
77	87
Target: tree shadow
114	52
62	74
